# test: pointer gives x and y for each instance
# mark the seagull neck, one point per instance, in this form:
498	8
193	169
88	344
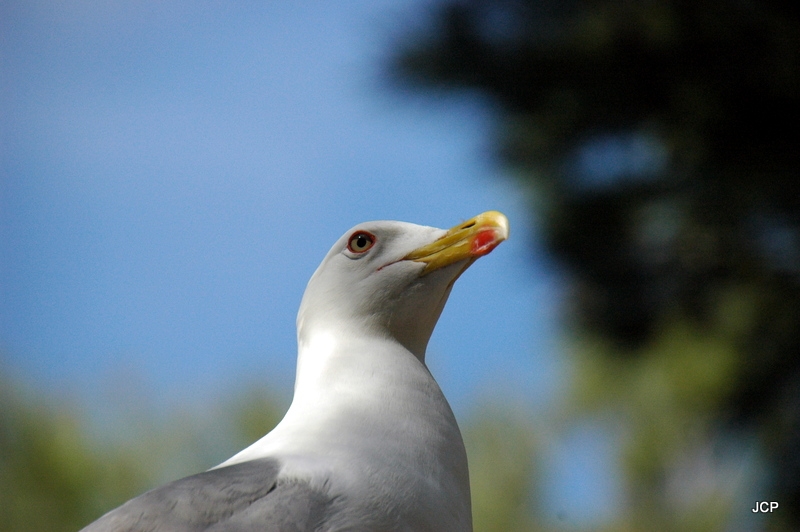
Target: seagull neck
316	333
328	356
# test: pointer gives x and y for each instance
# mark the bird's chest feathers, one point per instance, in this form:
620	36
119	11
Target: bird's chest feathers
375	388
379	415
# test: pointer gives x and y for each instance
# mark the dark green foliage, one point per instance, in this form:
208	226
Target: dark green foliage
660	141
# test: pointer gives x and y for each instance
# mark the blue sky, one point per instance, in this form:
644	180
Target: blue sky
173	174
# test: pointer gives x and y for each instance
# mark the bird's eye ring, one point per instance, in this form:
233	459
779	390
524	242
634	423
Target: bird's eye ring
360	242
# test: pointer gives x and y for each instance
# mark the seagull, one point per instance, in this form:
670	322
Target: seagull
369	441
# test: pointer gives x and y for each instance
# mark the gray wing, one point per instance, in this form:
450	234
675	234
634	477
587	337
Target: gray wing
244	497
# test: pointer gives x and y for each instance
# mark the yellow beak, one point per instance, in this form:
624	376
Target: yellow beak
472	239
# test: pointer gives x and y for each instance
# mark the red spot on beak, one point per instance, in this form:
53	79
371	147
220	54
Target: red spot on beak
484	242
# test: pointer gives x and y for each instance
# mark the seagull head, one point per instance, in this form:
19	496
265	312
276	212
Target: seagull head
392	279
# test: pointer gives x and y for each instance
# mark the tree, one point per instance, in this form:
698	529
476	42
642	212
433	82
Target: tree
59	472
659	142
53	477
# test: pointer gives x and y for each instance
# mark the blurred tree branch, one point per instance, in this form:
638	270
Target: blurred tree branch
660	143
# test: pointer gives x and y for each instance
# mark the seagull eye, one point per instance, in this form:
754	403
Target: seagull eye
360	242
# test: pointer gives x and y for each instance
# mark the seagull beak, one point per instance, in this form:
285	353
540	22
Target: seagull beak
472	239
